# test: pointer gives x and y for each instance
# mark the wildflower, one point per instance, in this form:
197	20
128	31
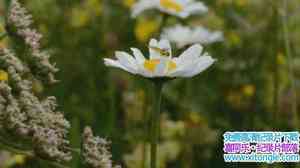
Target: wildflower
145	28
12	160
95	151
20	159
182	35
160	63
94	7
21	20
79	18
3	75
128	3
234	38
248	90
241	3
281	59
179	8
29	117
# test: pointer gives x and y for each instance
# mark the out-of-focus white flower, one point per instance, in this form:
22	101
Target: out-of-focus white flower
182	35
179	8
160	63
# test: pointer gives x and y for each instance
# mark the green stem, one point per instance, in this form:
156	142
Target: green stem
163	22
155	121
145	128
14	148
275	23
7	5
290	63
74	150
155	116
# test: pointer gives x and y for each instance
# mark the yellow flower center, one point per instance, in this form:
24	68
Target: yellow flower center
151	65
171	65
3	75
170	4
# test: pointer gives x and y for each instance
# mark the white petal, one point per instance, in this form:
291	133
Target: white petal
180	35
127	61
180	71
114	63
153	42
183	14
143	72
192	68
215	37
190	55
206	36
203	63
141	6
196	8
138	55
183	35
164	44
153	54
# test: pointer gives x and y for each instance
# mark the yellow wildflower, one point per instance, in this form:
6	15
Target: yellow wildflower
3	75
151	65
145	28
248	90
79	17
2	29
196	118
128	3
19	159
14	160
234	38
94	6
3	42
241	3
280	59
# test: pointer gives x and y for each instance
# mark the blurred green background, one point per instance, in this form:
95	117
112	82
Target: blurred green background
249	87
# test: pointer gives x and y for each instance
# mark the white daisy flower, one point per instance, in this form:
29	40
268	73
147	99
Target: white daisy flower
161	63
179	8
183	35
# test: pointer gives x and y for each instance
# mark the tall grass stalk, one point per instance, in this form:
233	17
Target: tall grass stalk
155	122
287	44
